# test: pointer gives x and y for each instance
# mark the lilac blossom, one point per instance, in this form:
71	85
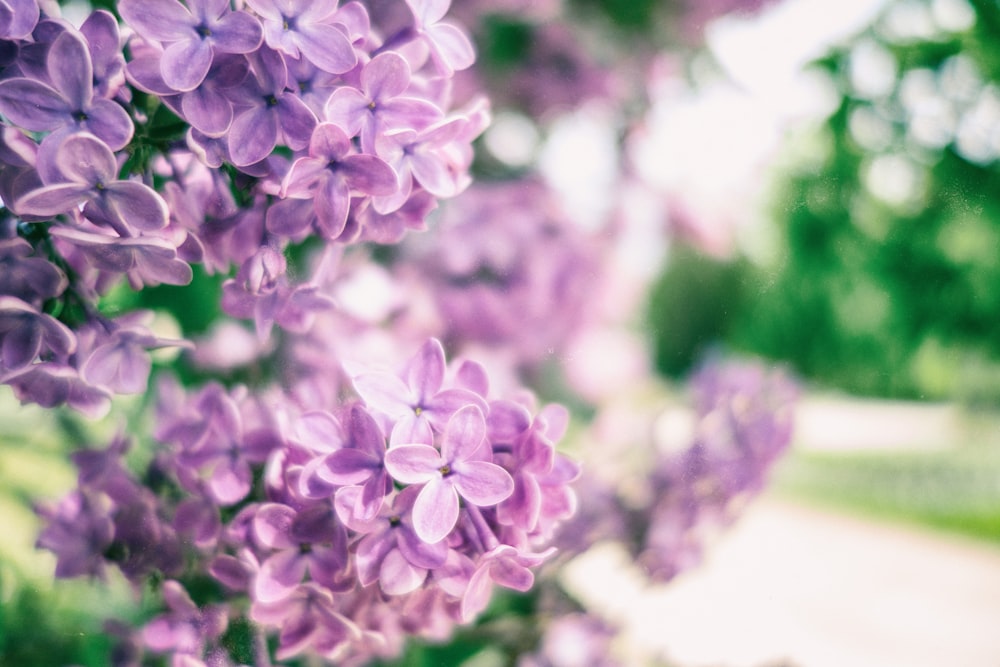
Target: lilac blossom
391	552
308	618
449	47
574	640
68	104
52	383
457	470
17	18
302	28
192	35
31	279
422	157
79	531
146	260
380	104
261	291
26	333
358	461
100	29
269	110
329	175
308	541
213	443
207	107
185	629
89	175
503	565
329	540
121	362
509	269
416	401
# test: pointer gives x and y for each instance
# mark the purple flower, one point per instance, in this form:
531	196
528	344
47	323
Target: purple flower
32	279
192	35
459	469
184	629
310	541
145	260
503	565
328	176
90	173
51	383
416	402
269	109
69	102
450	48
307	618
26	333
259	291
79	531
120	362
422	156
17	18
380	105
302	28
358	462
104	44
391	552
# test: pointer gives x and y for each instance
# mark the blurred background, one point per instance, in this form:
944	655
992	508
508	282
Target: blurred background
809	182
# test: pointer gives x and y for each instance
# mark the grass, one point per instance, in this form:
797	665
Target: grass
956	490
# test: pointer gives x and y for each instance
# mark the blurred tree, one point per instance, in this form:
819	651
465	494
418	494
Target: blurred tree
889	282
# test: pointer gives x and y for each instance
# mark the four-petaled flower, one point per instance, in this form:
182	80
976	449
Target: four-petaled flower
68	104
328	176
90	174
459	469
416	401
302	28
192	35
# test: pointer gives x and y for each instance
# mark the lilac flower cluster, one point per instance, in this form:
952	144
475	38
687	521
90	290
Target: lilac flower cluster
507	270
665	512
226	135
347	529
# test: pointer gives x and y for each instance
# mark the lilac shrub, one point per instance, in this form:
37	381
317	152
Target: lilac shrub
126	169
669	502
332	532
319	482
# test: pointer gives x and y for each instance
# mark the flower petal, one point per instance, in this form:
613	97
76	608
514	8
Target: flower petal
253	135
482	483
413	464
70	69
348	466
326	47
272	525
385	76
397	576
435	511
53	199
33	105
159	20
237	32
110	123
464	434
279	575
185	64
138	205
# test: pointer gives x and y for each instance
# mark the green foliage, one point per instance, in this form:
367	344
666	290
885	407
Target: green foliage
890	278
34	631
692	307
953	490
